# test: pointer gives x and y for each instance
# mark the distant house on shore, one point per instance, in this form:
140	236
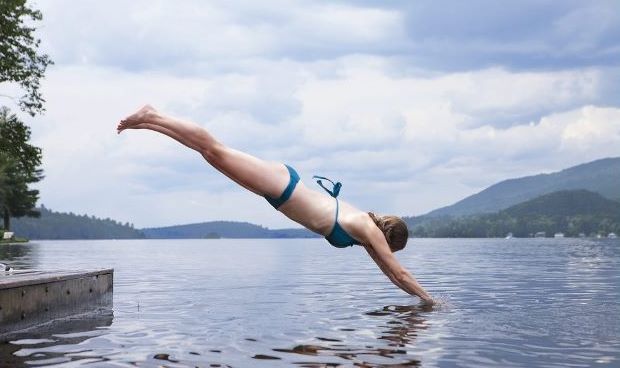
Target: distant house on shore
612	236
558	235
540	234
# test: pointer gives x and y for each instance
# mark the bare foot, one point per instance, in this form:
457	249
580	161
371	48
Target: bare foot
144	115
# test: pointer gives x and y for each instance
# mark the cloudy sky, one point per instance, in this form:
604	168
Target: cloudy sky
412	105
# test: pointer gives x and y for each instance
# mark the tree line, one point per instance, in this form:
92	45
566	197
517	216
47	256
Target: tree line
58	225
573	213
498	226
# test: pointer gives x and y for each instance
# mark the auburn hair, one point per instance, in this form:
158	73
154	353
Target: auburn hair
394	228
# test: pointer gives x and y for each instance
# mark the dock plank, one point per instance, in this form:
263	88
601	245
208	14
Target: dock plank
28	298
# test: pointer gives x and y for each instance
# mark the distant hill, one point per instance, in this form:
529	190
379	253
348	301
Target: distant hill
224	229
58	225
571	212
567	203
600	176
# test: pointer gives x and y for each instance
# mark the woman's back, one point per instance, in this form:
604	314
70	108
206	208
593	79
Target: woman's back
317	211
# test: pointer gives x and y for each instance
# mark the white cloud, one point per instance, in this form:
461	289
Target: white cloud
592	127
311	84
184	37
403	144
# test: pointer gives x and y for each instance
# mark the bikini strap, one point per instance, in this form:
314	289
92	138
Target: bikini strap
337	205
335	186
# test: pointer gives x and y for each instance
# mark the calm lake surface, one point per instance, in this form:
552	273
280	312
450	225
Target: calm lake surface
274	303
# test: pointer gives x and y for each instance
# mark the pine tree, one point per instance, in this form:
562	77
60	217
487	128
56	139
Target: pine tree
19	167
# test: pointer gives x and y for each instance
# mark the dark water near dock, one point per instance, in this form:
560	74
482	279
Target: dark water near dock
272	303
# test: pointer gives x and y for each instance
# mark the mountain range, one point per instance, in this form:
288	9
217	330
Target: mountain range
600	177
570	212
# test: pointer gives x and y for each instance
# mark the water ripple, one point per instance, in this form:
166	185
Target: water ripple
266	303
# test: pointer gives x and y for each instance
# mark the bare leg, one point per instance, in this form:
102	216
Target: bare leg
167	132
180	139
254	174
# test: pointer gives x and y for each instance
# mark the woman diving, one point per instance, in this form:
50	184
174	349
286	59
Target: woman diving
342	224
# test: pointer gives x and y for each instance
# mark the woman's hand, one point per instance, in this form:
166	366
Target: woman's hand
381	253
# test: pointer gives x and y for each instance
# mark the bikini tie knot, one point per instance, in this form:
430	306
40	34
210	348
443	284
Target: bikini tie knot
335	186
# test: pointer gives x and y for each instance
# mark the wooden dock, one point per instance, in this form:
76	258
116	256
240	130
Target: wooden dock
31	298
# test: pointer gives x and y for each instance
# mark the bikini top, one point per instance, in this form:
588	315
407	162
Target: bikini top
338	237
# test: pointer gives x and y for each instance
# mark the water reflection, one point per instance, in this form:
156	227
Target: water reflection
48	344
399	325
18	256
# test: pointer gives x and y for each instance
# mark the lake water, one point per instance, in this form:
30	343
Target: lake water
274	303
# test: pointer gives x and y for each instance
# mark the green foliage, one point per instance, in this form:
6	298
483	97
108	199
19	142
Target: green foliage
570	212
4	189
19	60
56	225
567	203
19	167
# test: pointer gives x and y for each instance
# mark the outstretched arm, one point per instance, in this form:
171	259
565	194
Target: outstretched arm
380	252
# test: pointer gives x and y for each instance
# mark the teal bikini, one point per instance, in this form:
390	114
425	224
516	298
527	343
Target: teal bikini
288	191
338	237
